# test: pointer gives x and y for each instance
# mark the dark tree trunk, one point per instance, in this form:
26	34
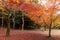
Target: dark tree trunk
50	29
8	28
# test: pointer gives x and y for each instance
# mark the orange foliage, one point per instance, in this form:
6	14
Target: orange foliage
13	4
29	7
33	11
50	10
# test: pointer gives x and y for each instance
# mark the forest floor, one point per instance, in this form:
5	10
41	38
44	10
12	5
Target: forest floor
29	35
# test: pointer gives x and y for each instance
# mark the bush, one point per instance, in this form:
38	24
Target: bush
56	27
37	26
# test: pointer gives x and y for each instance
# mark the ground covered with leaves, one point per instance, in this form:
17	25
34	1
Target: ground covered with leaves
28	35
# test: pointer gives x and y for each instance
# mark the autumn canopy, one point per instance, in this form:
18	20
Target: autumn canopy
35	11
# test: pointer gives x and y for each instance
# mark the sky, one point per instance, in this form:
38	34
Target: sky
44	3
58	12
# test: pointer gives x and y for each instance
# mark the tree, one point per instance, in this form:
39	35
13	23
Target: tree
14	19
8	11
22	20
3	3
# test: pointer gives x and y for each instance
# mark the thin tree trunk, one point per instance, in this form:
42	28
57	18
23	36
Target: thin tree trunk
13	23
14	20
8	28
2	11
50	29
2	20
22	20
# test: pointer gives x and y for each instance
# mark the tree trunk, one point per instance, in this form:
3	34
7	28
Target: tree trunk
2	20
3	3
8	28
50	29
14	20
22	20
13	23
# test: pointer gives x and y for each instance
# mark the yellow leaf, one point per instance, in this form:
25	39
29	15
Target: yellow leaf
27	1
0	7
16	0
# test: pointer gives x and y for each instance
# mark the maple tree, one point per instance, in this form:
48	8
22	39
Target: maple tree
43	13
48	14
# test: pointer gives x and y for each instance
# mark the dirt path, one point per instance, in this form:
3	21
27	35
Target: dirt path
28	35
